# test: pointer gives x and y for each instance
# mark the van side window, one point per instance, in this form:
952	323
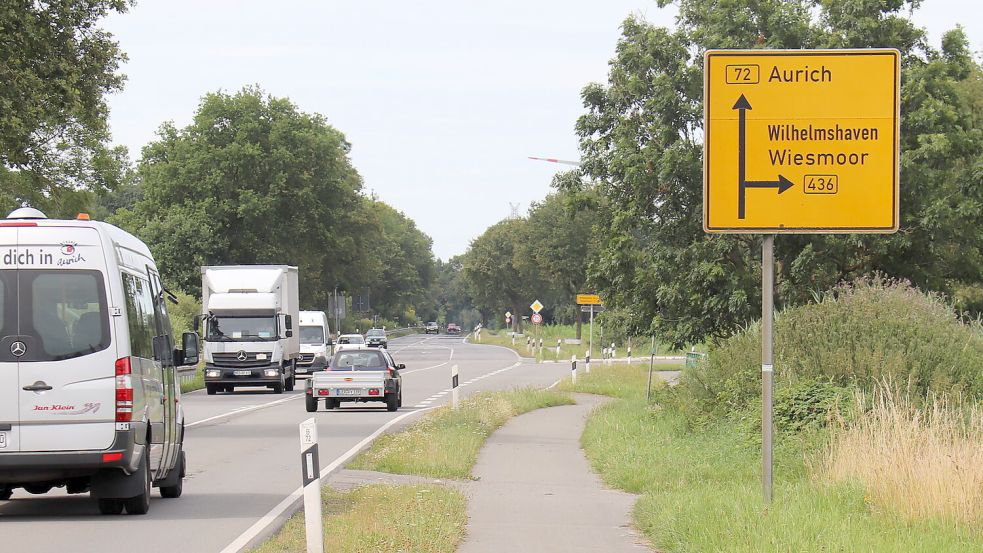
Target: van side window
67	311
139	315
3	312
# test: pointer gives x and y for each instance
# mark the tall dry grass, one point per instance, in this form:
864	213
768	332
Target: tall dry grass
920	459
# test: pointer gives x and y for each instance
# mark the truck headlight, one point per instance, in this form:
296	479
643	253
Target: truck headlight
213	373
271	372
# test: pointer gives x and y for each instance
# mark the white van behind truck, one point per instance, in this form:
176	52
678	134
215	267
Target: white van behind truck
89	395
315	342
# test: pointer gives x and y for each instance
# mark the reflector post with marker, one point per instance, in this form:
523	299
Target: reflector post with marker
455	382
310	468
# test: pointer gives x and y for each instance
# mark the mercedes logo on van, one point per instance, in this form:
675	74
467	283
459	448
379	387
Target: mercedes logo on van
18	348
241	356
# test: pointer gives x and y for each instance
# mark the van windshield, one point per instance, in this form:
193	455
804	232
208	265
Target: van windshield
241	329
312	335
62	312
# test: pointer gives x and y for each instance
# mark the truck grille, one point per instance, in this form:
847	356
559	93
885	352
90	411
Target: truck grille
306	358
232	360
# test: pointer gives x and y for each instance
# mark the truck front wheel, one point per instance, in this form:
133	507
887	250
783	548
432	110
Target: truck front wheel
289	386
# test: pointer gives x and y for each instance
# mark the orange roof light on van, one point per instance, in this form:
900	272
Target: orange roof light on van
82	217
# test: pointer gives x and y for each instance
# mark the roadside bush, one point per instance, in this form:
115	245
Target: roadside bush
856	335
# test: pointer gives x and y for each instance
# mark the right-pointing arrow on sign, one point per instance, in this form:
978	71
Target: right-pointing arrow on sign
782	184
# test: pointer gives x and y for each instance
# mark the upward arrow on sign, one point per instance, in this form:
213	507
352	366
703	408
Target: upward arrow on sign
782	184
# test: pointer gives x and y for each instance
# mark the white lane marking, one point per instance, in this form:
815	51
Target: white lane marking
242	410
243	540
553	385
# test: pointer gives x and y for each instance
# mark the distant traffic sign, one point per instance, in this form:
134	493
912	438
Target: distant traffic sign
508	314
536	306
801	141
588	299
537	319
592	308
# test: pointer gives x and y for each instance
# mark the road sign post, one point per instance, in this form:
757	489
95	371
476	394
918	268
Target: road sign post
798	141
455	380
311	471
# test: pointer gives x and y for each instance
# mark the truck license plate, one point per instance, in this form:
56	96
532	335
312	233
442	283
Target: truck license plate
348	392
3	440
242	373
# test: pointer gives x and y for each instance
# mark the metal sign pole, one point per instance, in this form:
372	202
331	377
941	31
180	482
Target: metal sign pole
590	339
311	471
767	366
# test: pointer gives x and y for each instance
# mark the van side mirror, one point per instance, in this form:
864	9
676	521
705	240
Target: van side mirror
189	346
288	322
400	366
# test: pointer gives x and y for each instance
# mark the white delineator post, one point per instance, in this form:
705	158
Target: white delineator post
558	349
311	471
573	369
455	379
629	350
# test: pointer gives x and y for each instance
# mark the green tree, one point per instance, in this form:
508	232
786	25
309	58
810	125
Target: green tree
492	279
251	180
56	66
641	139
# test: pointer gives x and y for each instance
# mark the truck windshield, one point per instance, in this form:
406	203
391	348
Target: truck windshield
241	329
312	335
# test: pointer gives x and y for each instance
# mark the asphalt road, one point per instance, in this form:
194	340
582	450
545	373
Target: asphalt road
243	457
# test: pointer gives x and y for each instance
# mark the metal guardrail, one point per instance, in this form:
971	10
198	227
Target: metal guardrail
694	358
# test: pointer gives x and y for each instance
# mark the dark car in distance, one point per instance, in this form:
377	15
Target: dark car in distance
453	328
376	337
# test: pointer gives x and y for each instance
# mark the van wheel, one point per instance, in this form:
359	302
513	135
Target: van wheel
290	383
392	402
311	404
173	492
210	389
111	506
140	504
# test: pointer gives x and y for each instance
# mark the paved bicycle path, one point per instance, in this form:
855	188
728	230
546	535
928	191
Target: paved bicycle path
536	491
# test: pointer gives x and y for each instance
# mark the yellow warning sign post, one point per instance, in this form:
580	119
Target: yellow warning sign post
801	141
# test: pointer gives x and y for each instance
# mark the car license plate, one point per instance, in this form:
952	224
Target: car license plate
301	371
349	392
242	373
3	440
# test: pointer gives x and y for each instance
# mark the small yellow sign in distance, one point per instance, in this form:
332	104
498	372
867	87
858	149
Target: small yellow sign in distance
801	141
589	299
536	306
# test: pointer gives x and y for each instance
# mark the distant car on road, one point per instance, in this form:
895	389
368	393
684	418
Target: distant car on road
357	375
453	328
348	341
376	337
432	328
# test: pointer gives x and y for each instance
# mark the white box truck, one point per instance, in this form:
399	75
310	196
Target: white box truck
249	314
315	342
89	391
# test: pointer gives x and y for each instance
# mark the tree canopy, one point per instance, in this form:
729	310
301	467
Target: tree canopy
253	179
641	140
57	66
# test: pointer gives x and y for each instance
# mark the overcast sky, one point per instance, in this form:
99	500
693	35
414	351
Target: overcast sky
442	100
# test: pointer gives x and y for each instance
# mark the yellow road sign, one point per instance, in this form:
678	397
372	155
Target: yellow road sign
588	299
801	141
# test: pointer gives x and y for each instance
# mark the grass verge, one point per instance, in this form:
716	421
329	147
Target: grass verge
701	489
641	346
192	384
445	443
381	518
